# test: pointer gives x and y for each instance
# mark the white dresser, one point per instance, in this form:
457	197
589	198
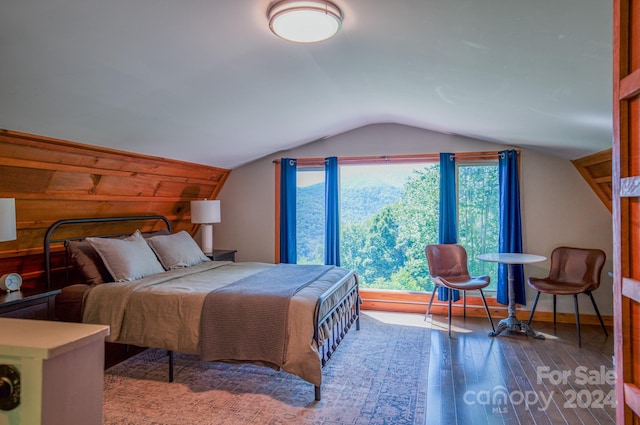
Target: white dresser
60	367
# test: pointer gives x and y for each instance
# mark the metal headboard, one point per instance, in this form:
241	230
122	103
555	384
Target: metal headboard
48	239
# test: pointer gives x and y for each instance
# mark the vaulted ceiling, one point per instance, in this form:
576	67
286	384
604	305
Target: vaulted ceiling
207	82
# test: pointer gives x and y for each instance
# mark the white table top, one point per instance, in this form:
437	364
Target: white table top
45	339
511	258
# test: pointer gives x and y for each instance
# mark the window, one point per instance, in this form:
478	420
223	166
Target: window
479	215
389	212
310	215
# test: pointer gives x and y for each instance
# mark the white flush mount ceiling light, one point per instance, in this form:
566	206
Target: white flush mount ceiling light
304	21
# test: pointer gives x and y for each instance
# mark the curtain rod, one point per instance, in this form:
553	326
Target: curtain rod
462	156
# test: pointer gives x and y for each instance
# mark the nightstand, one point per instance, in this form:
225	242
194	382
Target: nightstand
223	255
28	303
61	371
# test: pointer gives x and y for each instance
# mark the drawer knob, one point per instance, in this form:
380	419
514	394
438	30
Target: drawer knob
9	387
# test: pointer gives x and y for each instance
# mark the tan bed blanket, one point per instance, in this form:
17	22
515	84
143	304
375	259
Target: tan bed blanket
164	310
247	319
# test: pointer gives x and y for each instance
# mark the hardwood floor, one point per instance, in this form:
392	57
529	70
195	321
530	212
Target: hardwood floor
515	379
508	379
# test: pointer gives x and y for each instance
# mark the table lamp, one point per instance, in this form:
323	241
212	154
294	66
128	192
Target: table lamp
7	219
206	212
10	281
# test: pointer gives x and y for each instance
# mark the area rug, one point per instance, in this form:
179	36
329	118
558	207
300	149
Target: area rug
378	375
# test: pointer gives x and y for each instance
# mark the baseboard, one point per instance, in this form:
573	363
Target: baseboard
416	302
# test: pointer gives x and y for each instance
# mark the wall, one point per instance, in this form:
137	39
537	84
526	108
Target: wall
558	206
55	179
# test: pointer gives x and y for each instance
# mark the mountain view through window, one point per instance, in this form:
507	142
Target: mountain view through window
389	213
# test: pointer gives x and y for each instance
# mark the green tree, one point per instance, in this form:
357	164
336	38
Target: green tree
352	240
388	252
381	247
385	228
478	216
419	215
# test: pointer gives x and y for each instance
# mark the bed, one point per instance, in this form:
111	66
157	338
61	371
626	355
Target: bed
156	289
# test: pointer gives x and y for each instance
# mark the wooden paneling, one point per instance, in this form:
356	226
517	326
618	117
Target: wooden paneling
632	54
626	207
54	179
596	170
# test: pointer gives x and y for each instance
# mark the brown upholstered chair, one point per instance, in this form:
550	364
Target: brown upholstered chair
448	268
573	271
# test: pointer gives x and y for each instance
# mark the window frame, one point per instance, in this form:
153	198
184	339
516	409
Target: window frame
309	169
391	300
489	290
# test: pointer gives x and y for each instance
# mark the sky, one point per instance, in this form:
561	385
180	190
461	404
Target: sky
392	174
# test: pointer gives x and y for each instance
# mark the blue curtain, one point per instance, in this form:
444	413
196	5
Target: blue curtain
447	222
288	210
510	239
332	213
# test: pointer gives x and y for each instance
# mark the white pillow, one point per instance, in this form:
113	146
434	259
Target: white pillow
127	259
177	250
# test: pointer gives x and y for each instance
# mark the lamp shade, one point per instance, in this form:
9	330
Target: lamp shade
7	219
205	211
304	21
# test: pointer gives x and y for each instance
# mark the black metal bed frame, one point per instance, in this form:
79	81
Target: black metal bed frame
347	311
48	237
338	318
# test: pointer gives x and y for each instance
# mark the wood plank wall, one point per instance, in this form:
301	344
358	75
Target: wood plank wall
53	179
626	208
596	170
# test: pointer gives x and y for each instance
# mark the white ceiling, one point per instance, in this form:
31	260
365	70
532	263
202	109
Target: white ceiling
207	82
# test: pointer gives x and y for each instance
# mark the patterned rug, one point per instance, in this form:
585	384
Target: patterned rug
377	376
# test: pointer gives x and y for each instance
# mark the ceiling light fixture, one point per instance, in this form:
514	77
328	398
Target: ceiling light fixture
304	21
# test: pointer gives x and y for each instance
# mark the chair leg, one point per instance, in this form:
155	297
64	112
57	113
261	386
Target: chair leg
450	296
554	310
595	307
533	308
464	305
435	288
575	304
487	309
